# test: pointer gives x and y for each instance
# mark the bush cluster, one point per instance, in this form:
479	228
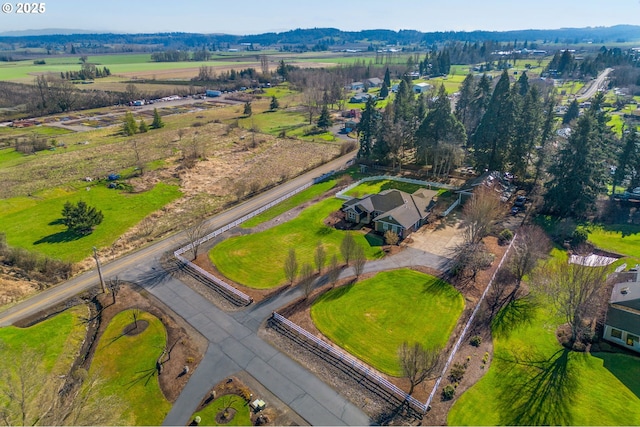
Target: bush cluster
37	267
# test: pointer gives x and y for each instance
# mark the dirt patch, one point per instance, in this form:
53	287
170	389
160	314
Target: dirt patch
135	328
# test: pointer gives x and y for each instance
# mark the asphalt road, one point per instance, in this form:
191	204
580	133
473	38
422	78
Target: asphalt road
121	266
595	85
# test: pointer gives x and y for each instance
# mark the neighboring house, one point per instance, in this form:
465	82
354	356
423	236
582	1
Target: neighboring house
360	98
357	86
374	82
623	315
394	210
421	87
493	180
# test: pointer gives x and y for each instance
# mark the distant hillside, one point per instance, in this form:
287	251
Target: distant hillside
322	38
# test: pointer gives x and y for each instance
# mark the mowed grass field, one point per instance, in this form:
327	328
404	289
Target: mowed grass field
371	319
620	238
375	187
127	364
257	260
34	223
533	380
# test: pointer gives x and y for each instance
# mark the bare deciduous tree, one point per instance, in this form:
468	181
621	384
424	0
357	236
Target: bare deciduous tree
359	260
306	279
114	287
320	256
573	289
480	214
417	362
469	259
530	246
334	270
195	235
291	266
347	247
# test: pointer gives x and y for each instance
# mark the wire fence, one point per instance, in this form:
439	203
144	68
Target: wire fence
353	363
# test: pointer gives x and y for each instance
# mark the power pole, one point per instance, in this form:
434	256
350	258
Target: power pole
102	285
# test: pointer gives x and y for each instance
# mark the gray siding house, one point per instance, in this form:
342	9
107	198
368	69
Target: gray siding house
622	325
394	210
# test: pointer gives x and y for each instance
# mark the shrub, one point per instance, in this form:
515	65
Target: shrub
457	372
505	236
448	392
476	340
580	235
347	147
391	238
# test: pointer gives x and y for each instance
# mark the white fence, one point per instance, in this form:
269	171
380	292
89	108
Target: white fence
450	208
221	283
341	194
353	363
466	327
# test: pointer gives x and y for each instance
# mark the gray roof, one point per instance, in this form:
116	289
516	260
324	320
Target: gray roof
623	319
627	294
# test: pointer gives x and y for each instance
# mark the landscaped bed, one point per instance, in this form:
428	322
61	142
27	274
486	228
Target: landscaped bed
371	319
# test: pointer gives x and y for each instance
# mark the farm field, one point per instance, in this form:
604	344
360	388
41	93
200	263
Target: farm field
371	319
257	260
34	222
533	380
127	364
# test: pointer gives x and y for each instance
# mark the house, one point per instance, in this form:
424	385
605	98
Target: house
392	210
622	325
495	180
421	87
357	86
374	82
360	98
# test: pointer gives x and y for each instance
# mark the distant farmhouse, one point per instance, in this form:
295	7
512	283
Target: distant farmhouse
394	210
623	315
361	98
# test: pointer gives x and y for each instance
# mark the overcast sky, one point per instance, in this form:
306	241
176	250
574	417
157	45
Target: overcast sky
259	16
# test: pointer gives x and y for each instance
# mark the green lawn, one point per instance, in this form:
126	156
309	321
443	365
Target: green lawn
45	352
128	366
371	319
534	381
620	238
257	260
374	187
300	198
33	222
241	418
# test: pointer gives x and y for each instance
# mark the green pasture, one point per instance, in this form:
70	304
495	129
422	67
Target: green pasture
533	380
300	198
371	319
616	123
375	187
275	122
242	416
127	364
620	238
34	222
257	260
58	339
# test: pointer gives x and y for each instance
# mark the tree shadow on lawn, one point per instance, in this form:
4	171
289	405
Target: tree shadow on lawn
60	237
336	293
374	239
615	363
141	376
537	390
625	229
516	312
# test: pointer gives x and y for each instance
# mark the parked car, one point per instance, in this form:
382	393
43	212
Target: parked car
520	201
515	210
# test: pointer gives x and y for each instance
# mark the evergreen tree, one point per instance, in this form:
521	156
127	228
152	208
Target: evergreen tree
80	218
368	128
492	138
439	126
274	103
579	173
573	112
129	126
387	78
157	120
463	106
478	105
523	84
527	133
143	126
247	109
384	91
628	162
324	121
